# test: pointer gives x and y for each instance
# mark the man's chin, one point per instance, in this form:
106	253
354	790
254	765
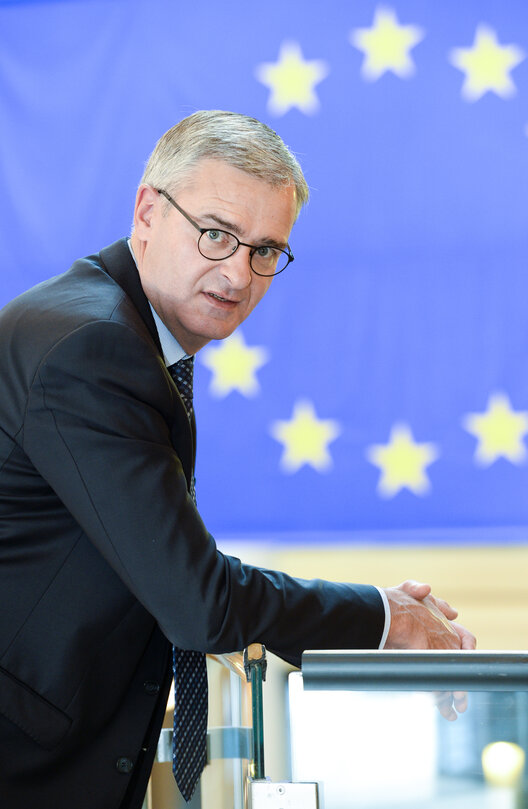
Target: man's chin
221	334
193	342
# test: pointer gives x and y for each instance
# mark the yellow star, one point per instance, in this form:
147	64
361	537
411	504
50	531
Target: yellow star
234	365
305	438
292	80
386	45
402	462
487	65
499	430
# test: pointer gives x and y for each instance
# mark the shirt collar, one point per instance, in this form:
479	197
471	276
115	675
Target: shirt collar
172	350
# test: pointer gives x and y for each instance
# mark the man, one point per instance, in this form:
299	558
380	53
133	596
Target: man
105	564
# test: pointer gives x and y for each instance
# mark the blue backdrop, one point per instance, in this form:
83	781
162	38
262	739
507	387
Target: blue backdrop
382	382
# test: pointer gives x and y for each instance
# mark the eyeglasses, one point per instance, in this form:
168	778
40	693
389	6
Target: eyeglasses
217	245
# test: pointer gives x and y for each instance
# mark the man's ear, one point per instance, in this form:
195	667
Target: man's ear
146	199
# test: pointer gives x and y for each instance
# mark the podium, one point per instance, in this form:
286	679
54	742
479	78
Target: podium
366	730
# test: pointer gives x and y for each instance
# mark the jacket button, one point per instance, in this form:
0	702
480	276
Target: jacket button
151	687
124	765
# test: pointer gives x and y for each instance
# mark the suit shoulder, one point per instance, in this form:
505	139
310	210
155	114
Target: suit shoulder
48	312
86	300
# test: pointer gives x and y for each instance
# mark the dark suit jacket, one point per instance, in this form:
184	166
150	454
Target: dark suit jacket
104	560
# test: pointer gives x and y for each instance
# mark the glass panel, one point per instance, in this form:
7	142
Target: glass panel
384	749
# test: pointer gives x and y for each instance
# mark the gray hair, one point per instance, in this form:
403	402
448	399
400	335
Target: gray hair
238	140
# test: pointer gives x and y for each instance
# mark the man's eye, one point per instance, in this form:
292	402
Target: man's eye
215	235
264	252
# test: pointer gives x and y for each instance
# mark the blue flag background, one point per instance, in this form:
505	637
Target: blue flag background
381	387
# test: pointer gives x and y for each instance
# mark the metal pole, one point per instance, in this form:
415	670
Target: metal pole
255	667
258	722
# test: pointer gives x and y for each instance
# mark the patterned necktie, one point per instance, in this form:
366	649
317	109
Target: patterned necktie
189	751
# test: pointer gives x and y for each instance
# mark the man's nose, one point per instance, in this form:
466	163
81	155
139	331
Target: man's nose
237	268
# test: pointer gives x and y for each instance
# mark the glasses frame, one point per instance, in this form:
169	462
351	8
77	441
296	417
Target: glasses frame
252	247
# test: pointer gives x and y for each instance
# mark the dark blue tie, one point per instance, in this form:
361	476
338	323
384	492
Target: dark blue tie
189	750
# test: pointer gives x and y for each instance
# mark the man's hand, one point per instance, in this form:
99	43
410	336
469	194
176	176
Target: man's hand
421	621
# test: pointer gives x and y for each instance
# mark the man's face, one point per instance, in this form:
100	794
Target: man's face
199	299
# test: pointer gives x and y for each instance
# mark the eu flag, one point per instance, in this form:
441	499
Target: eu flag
381	385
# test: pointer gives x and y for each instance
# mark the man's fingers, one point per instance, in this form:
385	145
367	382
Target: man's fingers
467	638
444	703
431	603
451	703
449	611
460	700
420	591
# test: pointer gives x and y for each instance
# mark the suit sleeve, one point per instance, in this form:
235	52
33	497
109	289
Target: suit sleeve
100	427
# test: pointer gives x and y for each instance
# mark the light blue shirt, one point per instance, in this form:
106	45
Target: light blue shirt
172	350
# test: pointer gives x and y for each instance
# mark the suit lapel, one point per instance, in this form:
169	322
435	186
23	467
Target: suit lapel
118	262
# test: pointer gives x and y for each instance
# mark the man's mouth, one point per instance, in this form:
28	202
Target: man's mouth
219	298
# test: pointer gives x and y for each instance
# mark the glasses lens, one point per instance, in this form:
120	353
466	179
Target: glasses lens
269	260
217	244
